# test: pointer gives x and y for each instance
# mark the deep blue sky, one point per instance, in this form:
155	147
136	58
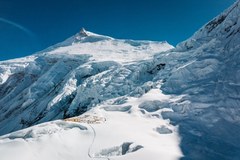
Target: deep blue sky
27	26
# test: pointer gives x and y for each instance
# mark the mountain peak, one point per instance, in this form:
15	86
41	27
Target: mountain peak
83	32
86	36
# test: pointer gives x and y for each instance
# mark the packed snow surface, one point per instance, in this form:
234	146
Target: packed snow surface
123	134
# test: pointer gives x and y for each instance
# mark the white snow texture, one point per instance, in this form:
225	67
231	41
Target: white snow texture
131	100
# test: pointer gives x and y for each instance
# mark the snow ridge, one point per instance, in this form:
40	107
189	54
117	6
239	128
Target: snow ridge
224	28
184	101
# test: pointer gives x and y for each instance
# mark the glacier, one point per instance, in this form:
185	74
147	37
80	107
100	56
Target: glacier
96	97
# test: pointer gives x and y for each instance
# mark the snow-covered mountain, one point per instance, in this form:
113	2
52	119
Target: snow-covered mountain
48	85
130	99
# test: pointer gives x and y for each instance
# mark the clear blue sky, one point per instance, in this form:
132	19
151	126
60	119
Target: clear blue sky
27	26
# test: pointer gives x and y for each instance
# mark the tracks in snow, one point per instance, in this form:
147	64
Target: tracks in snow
91	145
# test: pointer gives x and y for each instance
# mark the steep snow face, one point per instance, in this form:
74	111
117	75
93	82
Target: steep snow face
70	78
209	73
224	28
204	70
186	97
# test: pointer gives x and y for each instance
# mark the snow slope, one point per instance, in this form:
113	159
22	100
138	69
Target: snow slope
179	104
47	85
205	71
126	133
104	48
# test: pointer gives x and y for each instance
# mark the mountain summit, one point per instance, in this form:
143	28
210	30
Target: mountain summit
83	32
